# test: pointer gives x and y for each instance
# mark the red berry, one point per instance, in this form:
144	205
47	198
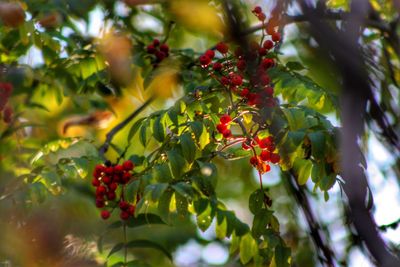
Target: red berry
151	49
265	155
106	179
264	79
124	215
245	92
111	195
123	205
236	79
269	91
225	119
257	10
113	186
268	44
262	51
275	158
204	60
131	210
221	127
101	190
271	147
95	182
227	133
118	169
98	170
160	55
210	53
105	214
225	80
116	178
217	66
100	203
241	64
261	16
164	48
128	165
245	146
109	170
276	37
253	160
267	63
222	48
126	177
156	42
7	114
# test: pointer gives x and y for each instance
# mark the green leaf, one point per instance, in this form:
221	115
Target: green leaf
143	133
294	65
163	205
145	219
318	172
256	201
37	193
327	182
235	242
159	128
184	189
115	225
317	144
131	190
162	173
135	127
205	217
181	205
201	133
188	147
282	256
260	222
156	190
221	228
115	249
148	244
302	168
177	163
248	248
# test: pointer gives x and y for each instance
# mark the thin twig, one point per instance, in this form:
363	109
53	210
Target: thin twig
110	135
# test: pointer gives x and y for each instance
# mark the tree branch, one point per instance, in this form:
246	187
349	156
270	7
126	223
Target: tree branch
328	15
346	56
110	135
325	253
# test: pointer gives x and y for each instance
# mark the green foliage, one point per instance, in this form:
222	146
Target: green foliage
180	157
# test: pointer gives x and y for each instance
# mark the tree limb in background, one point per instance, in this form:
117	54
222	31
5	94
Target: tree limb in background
346	56
110	135
325	253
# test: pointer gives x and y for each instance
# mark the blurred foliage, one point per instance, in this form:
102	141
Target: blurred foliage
72	87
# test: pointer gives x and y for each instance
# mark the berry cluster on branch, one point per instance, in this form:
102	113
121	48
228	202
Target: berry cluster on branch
109	181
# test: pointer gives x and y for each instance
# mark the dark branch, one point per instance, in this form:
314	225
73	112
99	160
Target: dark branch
325	253
346	55
110	135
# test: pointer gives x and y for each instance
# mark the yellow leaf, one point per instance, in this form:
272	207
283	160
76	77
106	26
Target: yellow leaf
197	15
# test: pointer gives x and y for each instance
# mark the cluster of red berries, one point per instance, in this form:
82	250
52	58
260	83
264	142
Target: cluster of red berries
5	93
253	85
223	126
158	50
267	154
107	179
269	27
